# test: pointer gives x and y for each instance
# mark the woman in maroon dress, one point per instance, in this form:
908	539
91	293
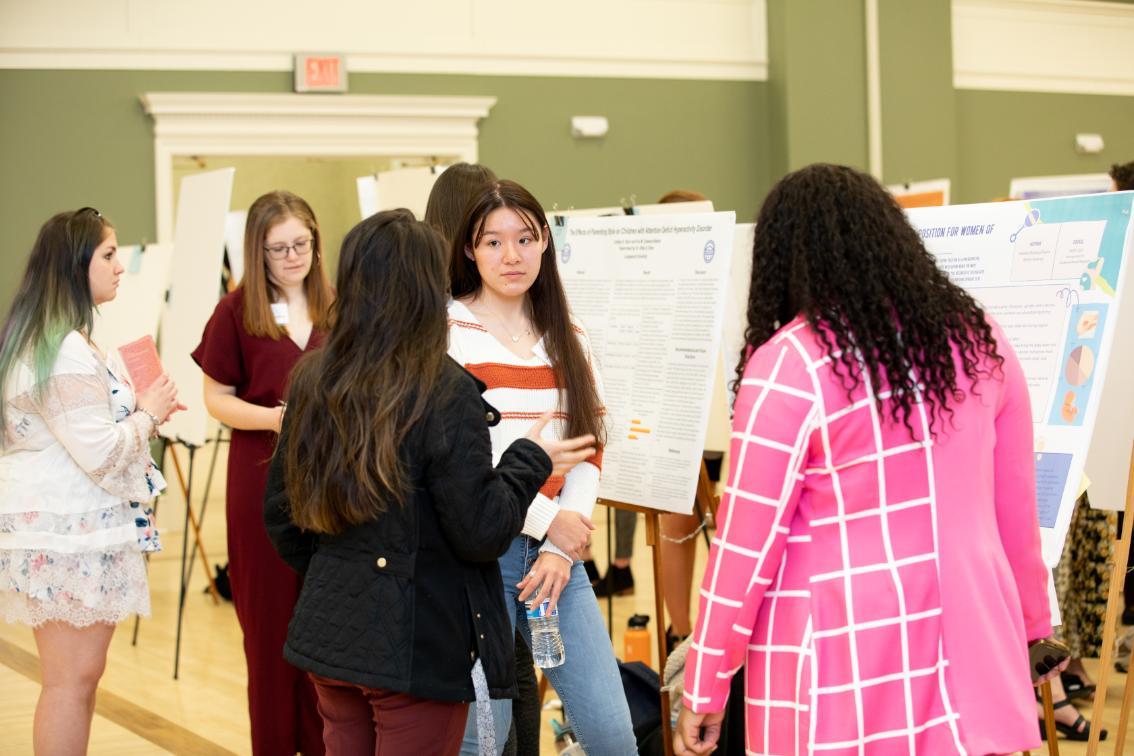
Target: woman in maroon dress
254	338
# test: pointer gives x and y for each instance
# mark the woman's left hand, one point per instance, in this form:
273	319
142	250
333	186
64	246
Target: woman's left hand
697	733
549	576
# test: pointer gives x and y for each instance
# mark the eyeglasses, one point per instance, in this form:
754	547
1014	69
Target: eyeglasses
279	251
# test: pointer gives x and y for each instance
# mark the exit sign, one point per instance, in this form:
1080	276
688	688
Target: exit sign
320	73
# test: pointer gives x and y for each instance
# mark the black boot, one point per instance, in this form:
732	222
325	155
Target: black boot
618	581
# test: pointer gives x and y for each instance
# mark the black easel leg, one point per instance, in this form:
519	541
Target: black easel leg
609	560
184	572
205	500
137	618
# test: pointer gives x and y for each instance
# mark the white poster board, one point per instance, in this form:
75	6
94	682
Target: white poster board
367	196
136	309
1039	187
403	187
736	305
198	257
1052	273
651	292
234	223
719	430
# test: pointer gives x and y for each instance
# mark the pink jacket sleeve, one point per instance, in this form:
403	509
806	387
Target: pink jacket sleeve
1016	514
773	416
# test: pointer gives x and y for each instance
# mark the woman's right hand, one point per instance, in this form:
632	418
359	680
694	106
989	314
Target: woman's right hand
160	399
570	532
564	454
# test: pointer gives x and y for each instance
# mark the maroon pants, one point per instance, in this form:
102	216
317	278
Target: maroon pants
281	700
358	720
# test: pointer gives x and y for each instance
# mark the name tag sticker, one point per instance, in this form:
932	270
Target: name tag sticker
279	311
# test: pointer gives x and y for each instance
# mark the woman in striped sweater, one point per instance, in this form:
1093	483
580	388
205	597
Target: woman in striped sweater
509	325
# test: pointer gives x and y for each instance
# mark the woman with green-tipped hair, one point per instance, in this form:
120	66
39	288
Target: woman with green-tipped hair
75	473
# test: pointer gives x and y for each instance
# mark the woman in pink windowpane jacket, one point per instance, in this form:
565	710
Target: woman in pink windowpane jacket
877	566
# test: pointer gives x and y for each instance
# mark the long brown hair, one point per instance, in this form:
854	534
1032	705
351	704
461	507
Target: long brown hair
259	292
353	402
451	193
54	297
546	301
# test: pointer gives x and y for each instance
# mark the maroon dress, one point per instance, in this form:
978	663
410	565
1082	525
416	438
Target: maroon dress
281	699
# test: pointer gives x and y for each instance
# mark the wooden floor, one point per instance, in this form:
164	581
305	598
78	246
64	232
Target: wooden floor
141	709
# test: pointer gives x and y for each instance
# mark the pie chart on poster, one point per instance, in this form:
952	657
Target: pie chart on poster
1080	365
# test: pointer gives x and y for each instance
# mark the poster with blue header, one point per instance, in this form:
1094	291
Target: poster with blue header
1053	272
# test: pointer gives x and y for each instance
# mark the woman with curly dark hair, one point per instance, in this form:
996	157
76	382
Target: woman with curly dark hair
877	565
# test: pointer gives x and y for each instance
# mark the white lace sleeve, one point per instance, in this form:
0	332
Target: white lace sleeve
75	405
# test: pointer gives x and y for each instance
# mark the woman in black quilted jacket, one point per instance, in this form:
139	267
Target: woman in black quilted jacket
383	495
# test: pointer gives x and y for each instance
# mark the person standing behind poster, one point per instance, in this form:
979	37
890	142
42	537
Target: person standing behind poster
509	325
877	562
280	311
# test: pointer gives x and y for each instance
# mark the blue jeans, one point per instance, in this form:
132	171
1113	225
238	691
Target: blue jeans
588	681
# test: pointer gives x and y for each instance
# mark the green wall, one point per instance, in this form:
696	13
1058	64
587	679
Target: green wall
816	84
919	121
73	138
1005	135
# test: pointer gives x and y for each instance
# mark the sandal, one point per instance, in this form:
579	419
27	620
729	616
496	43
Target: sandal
672	639
1075	687
1079	730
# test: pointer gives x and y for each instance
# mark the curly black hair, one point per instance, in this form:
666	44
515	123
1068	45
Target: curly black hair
1123	176
833	246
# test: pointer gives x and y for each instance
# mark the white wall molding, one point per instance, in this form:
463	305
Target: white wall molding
195	123
678	39
1068	46
484	65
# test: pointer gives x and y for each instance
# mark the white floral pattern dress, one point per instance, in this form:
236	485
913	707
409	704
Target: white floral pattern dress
76	483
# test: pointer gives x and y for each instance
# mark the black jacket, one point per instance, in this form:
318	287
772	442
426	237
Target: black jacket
408	601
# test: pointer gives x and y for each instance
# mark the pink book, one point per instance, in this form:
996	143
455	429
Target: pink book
140	358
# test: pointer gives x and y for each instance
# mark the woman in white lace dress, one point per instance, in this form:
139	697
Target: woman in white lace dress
76	476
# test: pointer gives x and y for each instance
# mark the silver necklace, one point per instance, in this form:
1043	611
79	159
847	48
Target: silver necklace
500	321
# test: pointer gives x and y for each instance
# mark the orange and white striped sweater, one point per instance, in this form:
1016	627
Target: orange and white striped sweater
522	390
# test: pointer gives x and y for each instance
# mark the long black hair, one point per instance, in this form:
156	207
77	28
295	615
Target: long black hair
833	246
353	402
546	300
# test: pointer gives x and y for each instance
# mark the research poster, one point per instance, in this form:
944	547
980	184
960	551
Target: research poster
651	291
1051	272
1041	187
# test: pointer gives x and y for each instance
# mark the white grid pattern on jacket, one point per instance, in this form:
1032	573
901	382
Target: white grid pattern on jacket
746	577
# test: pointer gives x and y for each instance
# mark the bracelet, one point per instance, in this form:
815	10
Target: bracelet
151	416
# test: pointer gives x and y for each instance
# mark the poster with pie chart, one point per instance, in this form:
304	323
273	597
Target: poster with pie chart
1080	362
1080	365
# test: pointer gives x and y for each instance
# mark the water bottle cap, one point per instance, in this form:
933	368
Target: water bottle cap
639	620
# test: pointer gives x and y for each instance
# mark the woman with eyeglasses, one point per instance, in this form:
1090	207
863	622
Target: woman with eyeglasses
75	473
279	312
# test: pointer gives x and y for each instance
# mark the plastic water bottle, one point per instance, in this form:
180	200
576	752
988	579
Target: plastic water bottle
547	644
